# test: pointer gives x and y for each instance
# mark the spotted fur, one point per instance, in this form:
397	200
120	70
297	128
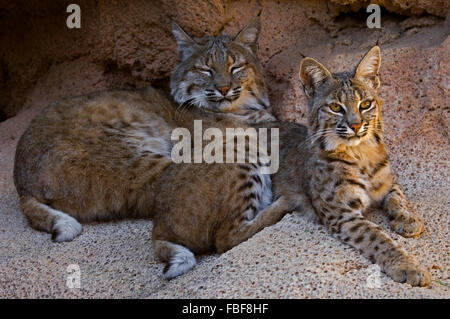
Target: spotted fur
221	73
228	203
107	155
341	167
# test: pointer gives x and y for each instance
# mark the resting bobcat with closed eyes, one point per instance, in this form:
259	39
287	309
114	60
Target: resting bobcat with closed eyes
341	167
107	156
221	74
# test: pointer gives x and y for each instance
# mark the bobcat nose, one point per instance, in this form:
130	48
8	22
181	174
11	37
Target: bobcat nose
356	126
223	89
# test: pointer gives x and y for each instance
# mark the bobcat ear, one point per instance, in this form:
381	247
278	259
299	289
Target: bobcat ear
367	70
248	36
312	74
186	45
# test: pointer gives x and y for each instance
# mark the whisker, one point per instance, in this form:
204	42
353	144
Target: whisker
316	135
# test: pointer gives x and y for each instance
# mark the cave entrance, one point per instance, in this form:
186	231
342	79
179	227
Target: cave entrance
3	116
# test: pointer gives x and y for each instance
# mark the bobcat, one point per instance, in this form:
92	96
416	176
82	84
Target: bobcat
107	155
221	74
337	166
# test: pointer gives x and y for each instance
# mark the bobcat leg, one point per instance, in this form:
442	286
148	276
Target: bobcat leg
375	244
404	220
42	217
179	259
304	207
228	238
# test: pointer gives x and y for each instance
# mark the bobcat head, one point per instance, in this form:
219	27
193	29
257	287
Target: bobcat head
343	107
219	73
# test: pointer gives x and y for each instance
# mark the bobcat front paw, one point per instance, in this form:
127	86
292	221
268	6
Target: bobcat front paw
408	225
411	273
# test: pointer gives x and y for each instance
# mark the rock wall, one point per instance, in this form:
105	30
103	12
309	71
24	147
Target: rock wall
129	43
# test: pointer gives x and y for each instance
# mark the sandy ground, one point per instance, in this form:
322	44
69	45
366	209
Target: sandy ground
295	258
130	44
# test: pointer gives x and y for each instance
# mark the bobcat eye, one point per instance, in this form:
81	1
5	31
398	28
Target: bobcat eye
335	108
208	72
236	69
365	105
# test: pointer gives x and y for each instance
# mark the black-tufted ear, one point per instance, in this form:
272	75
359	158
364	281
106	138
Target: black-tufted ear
248	36
312	74
186	44
367	70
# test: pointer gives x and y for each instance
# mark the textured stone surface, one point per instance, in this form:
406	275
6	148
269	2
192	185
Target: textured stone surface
129	44
132	43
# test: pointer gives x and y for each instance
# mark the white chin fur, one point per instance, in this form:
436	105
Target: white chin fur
353	142
226	105
333	143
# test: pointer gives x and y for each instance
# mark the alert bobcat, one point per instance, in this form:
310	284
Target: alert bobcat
337	166
107	155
